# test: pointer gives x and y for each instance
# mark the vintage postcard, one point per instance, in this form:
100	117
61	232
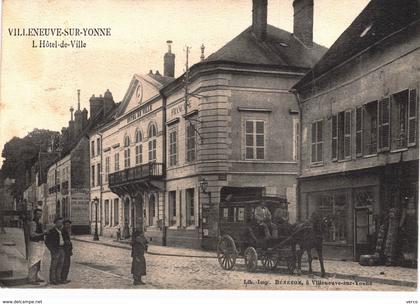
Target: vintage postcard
209	145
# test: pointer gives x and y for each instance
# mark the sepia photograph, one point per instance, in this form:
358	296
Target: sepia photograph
215	146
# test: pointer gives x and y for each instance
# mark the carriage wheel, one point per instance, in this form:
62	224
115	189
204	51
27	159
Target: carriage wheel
226	252
269	262
251	259
291	264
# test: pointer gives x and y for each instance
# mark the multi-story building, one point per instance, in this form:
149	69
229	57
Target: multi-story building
229	122
68	178
359	127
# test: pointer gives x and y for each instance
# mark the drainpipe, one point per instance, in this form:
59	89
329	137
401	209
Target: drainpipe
299	154
101	183
164	228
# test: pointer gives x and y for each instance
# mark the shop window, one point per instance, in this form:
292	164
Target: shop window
335	205
106	212
172	208
317	142
116	212
189	196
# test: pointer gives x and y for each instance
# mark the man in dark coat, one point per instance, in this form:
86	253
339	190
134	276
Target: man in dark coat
138	266
55	244
68	251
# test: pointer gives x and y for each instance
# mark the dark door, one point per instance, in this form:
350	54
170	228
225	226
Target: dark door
363	226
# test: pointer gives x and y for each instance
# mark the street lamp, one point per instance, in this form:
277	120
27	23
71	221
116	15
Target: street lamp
203	187
96	202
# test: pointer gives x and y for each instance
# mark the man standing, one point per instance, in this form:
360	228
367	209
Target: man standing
35	248
55	244
68	251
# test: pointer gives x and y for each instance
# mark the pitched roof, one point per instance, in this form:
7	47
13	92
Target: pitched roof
378	20
280	48
164	80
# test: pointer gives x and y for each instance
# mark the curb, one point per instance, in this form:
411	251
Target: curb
329	274
128	247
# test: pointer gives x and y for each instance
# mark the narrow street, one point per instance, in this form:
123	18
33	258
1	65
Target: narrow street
99	266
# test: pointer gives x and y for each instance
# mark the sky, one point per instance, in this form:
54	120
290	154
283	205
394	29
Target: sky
38	86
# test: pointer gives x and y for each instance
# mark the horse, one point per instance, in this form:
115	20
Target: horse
308	235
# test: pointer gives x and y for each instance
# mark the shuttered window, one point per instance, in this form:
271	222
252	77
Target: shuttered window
334	137
412	117
383	125
359	131
317	142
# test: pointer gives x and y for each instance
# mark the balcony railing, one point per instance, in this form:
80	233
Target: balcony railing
136	174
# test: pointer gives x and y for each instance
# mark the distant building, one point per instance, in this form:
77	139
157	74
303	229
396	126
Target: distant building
68	177
359	127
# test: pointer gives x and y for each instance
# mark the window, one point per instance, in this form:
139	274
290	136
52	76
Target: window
295	154
139	148
233	215
412	118
98	146
190	141
172	208
116	212
369	126
151	134
152	210
189	196
106	168
317	142
106	212
172	147
92	172
98	174
343	135
335	205
400	117
116	161
92	148
127	152
384	125
334	137
254	139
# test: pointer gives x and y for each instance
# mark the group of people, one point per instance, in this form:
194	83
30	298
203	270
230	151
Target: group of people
57	240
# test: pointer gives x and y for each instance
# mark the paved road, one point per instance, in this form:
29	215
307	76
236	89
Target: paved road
98	266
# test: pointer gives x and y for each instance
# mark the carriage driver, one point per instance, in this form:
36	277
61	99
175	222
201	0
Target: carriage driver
262	216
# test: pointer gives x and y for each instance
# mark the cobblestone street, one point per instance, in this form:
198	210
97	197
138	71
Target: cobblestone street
99	266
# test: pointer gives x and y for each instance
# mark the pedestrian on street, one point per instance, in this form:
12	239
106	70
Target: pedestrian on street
36	248
68	250
138	265
55	244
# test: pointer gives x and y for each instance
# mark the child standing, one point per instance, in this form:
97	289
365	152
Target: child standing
138	266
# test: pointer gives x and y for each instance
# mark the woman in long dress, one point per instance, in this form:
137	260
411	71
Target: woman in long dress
138	265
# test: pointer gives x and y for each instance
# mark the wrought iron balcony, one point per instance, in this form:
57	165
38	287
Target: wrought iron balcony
148	171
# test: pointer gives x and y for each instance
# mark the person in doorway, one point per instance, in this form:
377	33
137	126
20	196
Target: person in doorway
138	265
36	248
55	244
68	251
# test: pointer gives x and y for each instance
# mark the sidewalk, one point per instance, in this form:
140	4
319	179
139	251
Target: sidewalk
398	276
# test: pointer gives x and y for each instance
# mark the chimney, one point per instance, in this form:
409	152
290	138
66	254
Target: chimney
71	113
202	52
169	62
259	18
303	21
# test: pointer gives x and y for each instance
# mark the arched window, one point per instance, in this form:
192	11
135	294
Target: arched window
126	151
151	134
139	147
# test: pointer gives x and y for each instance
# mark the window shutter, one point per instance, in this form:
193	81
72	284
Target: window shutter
412	117
347	134
359	131
384	124
319	150
334	137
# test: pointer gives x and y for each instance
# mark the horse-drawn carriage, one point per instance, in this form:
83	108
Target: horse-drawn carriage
242	235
